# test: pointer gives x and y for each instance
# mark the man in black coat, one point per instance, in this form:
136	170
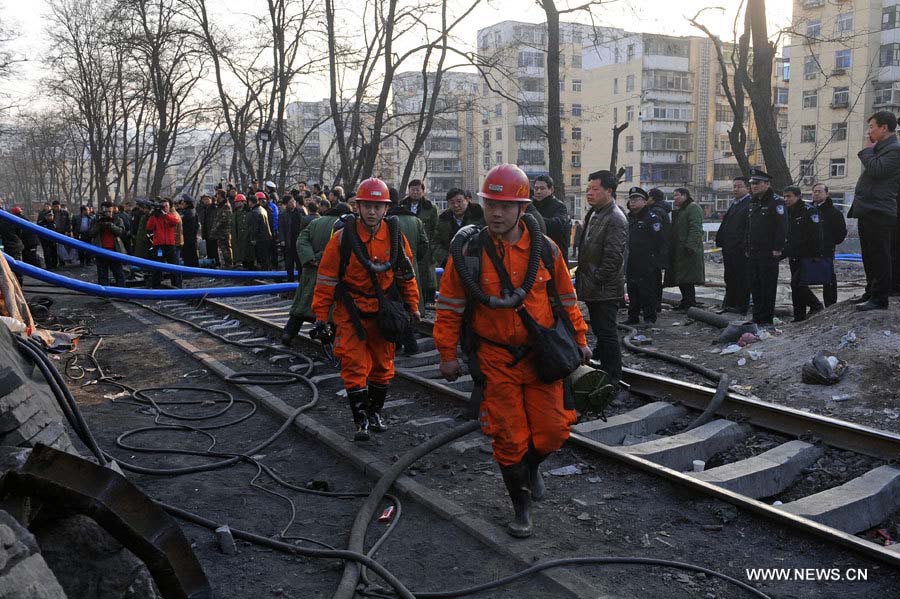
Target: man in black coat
834	231
804	240
658	206
875	206
290	223
766	231
190	228
553	211
732	238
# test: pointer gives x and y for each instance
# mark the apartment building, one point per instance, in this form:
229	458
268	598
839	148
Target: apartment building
846	65
513	100
667	89
448	157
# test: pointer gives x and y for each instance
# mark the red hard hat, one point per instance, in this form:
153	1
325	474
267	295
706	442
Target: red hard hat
506	183
240	198
373	190
261	196
17	210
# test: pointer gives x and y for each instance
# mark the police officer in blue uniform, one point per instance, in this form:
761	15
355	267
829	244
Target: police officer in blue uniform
766	233
645	243
804	241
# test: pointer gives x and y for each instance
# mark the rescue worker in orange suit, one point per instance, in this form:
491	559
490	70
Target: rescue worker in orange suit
367	358
525	418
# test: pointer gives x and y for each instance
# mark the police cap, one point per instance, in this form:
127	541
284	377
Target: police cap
637	192
760	176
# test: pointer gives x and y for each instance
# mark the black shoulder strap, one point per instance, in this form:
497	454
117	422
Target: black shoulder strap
346	247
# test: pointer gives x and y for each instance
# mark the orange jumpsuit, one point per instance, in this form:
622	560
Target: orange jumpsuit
517	407
372	359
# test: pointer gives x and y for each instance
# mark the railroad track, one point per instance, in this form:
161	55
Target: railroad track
796	440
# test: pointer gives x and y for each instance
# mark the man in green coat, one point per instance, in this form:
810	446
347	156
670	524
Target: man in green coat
310	245
686	251
418	205
414	231
243	251
461	212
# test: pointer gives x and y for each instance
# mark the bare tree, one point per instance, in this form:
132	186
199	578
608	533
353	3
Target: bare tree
733	88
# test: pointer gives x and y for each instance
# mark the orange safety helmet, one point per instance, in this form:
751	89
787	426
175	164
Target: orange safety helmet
261	196
373	190
240	198
506	183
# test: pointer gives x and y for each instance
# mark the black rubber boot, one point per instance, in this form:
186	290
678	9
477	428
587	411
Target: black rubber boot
377	393
534	459
516	479
359	400
291	329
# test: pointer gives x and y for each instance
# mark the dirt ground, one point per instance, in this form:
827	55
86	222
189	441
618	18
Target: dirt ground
606	509
771	369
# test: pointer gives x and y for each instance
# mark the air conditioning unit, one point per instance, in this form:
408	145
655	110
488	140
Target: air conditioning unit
679	158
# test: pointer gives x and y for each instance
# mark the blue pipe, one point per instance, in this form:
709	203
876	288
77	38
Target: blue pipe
135	293
848	257
142	262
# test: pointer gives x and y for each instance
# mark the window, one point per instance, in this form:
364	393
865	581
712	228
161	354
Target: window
786	70
884	92
530	156
842	60
723	113
533	109
576	133
889	56
630	52
666	46
576	109
810	99
808	134
890	17
841	97
529	133
618	55
837	167
562	84
668	80
629	83
532	84
629	143
498	133
629	174
498	110
499	157
810	67
562	109
532	59
671	113
781	95
576	85
668	142
616	85
576	61
814	28
576	159
576	181
843	23
562	135
486	162
838	131
807	168
629	114
486	137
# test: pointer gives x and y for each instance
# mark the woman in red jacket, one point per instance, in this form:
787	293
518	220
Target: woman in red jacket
161	226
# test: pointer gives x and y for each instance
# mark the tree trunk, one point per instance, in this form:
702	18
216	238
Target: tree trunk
554	138
759	89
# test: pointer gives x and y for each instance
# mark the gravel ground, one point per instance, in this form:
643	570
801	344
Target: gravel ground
607	509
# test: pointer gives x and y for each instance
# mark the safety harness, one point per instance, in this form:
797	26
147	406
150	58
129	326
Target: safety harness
391	312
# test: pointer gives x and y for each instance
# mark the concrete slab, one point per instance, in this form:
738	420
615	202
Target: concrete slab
643	421
679	451
764	475
856	505
420	422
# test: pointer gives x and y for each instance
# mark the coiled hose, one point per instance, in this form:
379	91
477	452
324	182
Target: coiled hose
466	234
360	252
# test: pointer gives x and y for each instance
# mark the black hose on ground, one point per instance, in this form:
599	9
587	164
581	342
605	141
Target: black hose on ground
347	586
